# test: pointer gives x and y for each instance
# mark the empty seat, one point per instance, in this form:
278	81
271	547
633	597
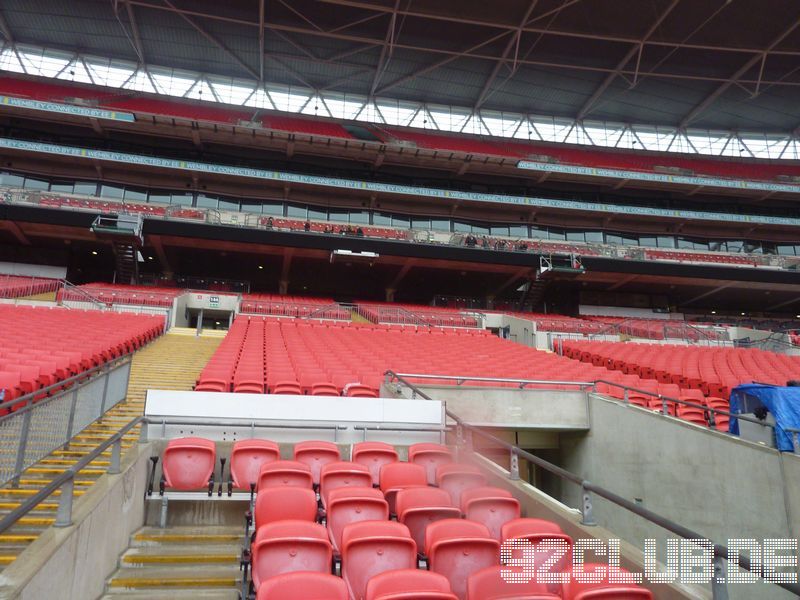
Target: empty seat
350	505
291	388
457	477
360	391
491	506
418	507
324	389
284	473
315	454
287	546
247	458
303	586
574	590
400	475
374	455
488	584
188	464
373	547
537	531
457	548
285	502
429	456
342	474
409	584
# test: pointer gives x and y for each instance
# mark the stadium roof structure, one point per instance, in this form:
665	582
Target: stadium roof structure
637	73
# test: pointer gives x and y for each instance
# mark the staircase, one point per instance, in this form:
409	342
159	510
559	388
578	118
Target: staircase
532	296
171	362
127	267
179	562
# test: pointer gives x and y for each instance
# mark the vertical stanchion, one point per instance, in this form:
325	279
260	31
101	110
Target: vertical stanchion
587	511
718	589
64	513
22	447
71	421
116	455
514	470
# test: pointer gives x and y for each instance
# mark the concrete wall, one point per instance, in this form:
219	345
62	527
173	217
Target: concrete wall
53	272
633	313
514	408
72	563
712	483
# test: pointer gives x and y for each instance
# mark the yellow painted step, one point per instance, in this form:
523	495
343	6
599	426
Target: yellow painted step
139	559
41	507
7	560
178	582
25	492
188	538
9	538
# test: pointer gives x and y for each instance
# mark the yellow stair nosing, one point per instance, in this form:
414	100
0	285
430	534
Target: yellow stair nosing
193	582
179	558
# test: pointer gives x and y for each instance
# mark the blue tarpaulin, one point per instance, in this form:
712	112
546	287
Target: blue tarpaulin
782	402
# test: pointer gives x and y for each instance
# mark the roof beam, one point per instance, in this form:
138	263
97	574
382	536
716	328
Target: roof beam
137	38
5	30
502	26
712	97
182	14
513	42
261	41
636	48
387	48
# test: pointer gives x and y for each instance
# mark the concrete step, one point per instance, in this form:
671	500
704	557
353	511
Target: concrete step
173	594
201	554
200	536
176	576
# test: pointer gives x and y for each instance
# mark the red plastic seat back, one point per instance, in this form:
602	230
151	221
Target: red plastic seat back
429	456
400	475
351	505
491	506
575	590
418	507
488	584
247	457
315	454
303	586
284	473
342	474
188	463
457	477
409	584
373	547
456	548
374	455
288	546
285	502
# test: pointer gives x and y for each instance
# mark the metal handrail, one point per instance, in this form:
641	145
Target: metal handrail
720	551
66	481
81	379
71	287
460	379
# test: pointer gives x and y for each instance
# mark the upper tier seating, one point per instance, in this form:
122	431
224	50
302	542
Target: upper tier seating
103	206
560	323
703	257
296	540
113	293
391	233
293	306
713	370
15	286
260	353
42	346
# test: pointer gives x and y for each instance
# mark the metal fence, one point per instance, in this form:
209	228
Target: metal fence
40	424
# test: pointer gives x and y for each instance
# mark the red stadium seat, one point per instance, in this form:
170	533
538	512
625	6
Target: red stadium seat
324	389
418	507
489	584
303	585
574	590
288	546
188	464
316	454
537	531
455	478
247	458
284	473
350	505
373	547
457	548
374	455
409	584
491	506
400	475
285	502
342	474
429	456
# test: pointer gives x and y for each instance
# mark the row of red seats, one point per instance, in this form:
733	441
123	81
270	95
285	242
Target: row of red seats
713	257
114	293
321	227
457	527
712	370
102	205
293	306
591	157
14	286
43	346
267	355
560	323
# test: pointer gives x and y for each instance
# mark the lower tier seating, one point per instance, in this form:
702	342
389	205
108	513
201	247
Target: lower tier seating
15	286
338	537
110	293
43	346
293	306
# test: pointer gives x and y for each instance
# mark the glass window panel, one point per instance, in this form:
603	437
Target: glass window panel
182	199
65	188
648	240
380	218
518	230
296	211
555	234
36	184
461	227
11	180
575	236
134	195
594	236
666	241
359	216
228	204
685	244
735	245
401	221
272	208
440	224
111	191
317	214
338	215
420	223
204	201
159	197
251	206
499	230
785	250
539	233
480	229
